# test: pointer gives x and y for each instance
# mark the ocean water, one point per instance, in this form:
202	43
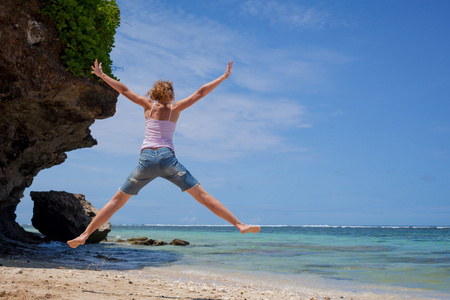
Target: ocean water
392	256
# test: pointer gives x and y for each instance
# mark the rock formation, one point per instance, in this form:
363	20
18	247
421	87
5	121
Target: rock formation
178	242
145	241
62	216
44	110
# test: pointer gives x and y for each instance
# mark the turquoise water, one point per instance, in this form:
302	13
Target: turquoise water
411	257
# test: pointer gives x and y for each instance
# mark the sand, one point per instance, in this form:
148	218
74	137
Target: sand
37	280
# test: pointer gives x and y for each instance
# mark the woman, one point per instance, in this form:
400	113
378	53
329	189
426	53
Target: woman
157	155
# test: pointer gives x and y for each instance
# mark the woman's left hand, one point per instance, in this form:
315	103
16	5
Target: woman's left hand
227	73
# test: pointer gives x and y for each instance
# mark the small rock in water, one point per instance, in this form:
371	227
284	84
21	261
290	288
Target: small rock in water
178	242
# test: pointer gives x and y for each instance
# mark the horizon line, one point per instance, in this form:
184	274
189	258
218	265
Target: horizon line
285	225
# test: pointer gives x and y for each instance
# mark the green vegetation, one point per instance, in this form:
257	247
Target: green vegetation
87	28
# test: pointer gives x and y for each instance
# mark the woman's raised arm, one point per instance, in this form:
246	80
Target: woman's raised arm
203	91
120	87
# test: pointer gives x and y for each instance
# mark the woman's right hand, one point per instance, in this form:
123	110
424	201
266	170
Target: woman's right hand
227	73
97	69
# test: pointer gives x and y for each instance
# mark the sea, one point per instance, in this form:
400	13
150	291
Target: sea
403	257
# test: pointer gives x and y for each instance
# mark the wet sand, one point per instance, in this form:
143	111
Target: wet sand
36	280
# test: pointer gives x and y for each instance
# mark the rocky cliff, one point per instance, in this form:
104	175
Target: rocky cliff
44	110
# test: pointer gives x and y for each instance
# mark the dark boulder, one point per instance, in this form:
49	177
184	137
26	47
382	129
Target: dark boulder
178	242
62	216
158	243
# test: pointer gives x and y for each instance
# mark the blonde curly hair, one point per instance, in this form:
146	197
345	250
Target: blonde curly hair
161	91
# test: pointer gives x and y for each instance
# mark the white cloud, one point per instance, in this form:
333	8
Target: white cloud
173	43
337	113
289	13
289	70
228	126
189	220
91	168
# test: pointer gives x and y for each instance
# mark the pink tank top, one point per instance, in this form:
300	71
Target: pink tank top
159	133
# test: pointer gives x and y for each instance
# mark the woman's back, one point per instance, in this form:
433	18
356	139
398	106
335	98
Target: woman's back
159	128
161	111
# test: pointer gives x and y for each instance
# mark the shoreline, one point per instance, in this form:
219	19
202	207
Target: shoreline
39	280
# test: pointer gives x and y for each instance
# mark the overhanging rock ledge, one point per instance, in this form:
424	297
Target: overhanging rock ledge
44	110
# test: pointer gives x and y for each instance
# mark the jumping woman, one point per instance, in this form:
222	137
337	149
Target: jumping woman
157	157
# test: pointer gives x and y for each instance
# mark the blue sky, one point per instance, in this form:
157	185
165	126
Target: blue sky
336	112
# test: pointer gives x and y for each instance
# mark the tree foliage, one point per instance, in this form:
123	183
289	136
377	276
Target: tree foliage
87	28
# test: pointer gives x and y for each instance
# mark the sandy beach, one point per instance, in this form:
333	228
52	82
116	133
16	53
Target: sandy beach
37	280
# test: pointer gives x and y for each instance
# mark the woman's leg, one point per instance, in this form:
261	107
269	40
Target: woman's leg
101	218
219	209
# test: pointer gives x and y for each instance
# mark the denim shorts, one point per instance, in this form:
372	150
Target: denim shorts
158	163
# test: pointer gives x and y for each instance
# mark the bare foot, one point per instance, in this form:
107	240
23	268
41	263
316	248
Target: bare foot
77	242
249	228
